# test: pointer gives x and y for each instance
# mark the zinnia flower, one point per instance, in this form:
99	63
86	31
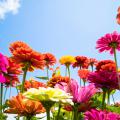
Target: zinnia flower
67	60
104	79
3	67
118	16
49	59
57	79
81	94
13	70
101	115
46	94
83	74
24	107
24	55
107	65
33	84
109	42
81	62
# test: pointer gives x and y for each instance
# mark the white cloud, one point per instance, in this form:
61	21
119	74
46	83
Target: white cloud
8	6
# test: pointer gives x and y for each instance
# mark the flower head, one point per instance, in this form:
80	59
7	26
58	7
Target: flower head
107	65
24	107
33	84
92	61
3	67
83	74
104	79
81	61
49	59
67	60
24	55
118	16
57	79
101	115
109	42
46	94
13	70
81	94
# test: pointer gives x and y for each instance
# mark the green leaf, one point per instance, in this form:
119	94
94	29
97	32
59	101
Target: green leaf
43	78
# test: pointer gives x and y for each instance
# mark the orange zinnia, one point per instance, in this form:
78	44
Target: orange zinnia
33	84
24	107
13	71
24	55
49	59
57	79
118	16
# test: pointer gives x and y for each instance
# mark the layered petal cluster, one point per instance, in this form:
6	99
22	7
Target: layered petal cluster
104	79
3	67
49	59
92	61
83	73
47	94
101	115
67	60
33	84
118	16
106	65
24	55
24	107
81	62
57	79
109	42
13	70
81	94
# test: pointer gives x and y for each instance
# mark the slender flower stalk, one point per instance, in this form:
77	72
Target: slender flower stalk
59	108
47	70
103	99
1	97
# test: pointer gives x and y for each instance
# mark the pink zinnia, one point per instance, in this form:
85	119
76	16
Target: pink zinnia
81	94
3	67
109	42
104	79
101	115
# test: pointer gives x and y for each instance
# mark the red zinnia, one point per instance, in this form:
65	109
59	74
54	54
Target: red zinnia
81	62
49	59
24	55
92	61
83	74
109	42
107	65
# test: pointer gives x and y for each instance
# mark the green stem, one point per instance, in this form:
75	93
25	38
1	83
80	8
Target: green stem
68	71
5	93
103	99
115	58
92	68
1	97
24	77
75	112
108	99
48	113
28	118
113	99
47	69
58	111
84	83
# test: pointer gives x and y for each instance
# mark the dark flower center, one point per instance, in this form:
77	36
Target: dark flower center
113	44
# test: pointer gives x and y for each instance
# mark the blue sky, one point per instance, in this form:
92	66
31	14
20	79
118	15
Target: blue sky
62	27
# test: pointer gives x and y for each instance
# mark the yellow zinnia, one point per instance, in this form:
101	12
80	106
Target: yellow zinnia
67	60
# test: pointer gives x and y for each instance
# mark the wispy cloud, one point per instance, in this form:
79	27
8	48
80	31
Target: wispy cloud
8	6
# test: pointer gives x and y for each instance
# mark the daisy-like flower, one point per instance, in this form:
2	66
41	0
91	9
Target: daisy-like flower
81	62
83	74
33	84
109	42
57	79
101	115
24	55
104	79
107	65
13	70
118	16
46	94
67	60
24	107
3	67
49	59
92	61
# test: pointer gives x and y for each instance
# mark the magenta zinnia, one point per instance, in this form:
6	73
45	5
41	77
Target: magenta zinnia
101	115
109	42
104	79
